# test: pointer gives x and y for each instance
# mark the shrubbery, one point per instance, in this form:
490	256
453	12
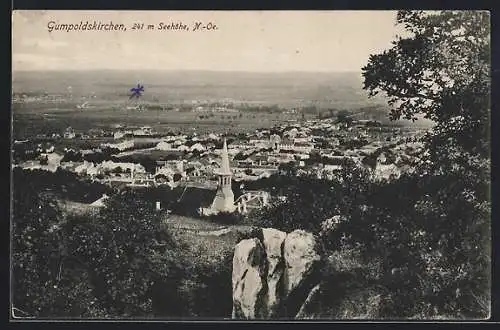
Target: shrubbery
119	262
60	184
429	232
207	289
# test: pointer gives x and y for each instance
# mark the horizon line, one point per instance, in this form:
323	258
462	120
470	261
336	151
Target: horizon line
191	70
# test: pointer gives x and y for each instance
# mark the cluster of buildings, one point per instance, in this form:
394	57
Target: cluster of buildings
317	147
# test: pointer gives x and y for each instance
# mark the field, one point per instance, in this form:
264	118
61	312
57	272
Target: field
56	95
207	241
30	123
342	90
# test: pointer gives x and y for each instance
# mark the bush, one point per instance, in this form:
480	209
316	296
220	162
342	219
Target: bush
207	289
427	231
108	265
227	218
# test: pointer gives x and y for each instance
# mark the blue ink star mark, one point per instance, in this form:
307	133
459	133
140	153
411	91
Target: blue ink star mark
136	91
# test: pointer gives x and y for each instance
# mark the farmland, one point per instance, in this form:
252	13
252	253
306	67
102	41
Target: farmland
31	122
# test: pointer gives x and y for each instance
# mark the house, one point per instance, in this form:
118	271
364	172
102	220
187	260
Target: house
101	202
164	173
120	146
292	133
69	133
214	137
331	168
86	152
194	172
245	163
83	168
274	141
176	165
164	145
178	142
118	135
197	147
70	166
386	171
132	167
260	143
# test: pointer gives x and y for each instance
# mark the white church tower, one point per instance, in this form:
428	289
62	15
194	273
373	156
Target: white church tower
224	198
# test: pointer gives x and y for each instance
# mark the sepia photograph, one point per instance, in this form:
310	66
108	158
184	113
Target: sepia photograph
250	165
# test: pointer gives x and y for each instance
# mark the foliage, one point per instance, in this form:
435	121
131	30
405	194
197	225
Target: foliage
61	184
309	201
227	218
429	229
288	169
207	283
110	264
23	152
442	70
343	117
46	283
128	253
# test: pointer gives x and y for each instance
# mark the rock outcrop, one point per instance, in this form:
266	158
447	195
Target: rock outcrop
274	273
273	242
249	282
301	260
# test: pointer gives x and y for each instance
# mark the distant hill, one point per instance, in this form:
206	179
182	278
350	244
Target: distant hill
342	90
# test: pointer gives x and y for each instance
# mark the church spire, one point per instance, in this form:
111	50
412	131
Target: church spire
224	166
224	197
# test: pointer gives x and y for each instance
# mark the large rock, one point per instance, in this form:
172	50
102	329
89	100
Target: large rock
273	240
273	273
300	252
301	258
249	280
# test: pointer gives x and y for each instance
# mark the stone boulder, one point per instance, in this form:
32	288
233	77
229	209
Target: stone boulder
273	240
274	273
302	258
249	280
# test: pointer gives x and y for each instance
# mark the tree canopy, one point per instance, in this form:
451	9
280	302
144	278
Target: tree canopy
439	68
430	227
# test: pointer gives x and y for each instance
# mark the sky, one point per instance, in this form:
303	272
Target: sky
255	41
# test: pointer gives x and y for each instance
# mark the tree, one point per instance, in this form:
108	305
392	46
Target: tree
46	282
129	256
309	201
288	169
117	169
108	264
441	70
177	177
44	160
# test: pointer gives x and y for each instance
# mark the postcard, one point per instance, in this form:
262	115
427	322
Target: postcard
250	165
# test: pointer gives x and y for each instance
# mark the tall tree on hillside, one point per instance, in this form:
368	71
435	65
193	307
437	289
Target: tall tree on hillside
440	69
